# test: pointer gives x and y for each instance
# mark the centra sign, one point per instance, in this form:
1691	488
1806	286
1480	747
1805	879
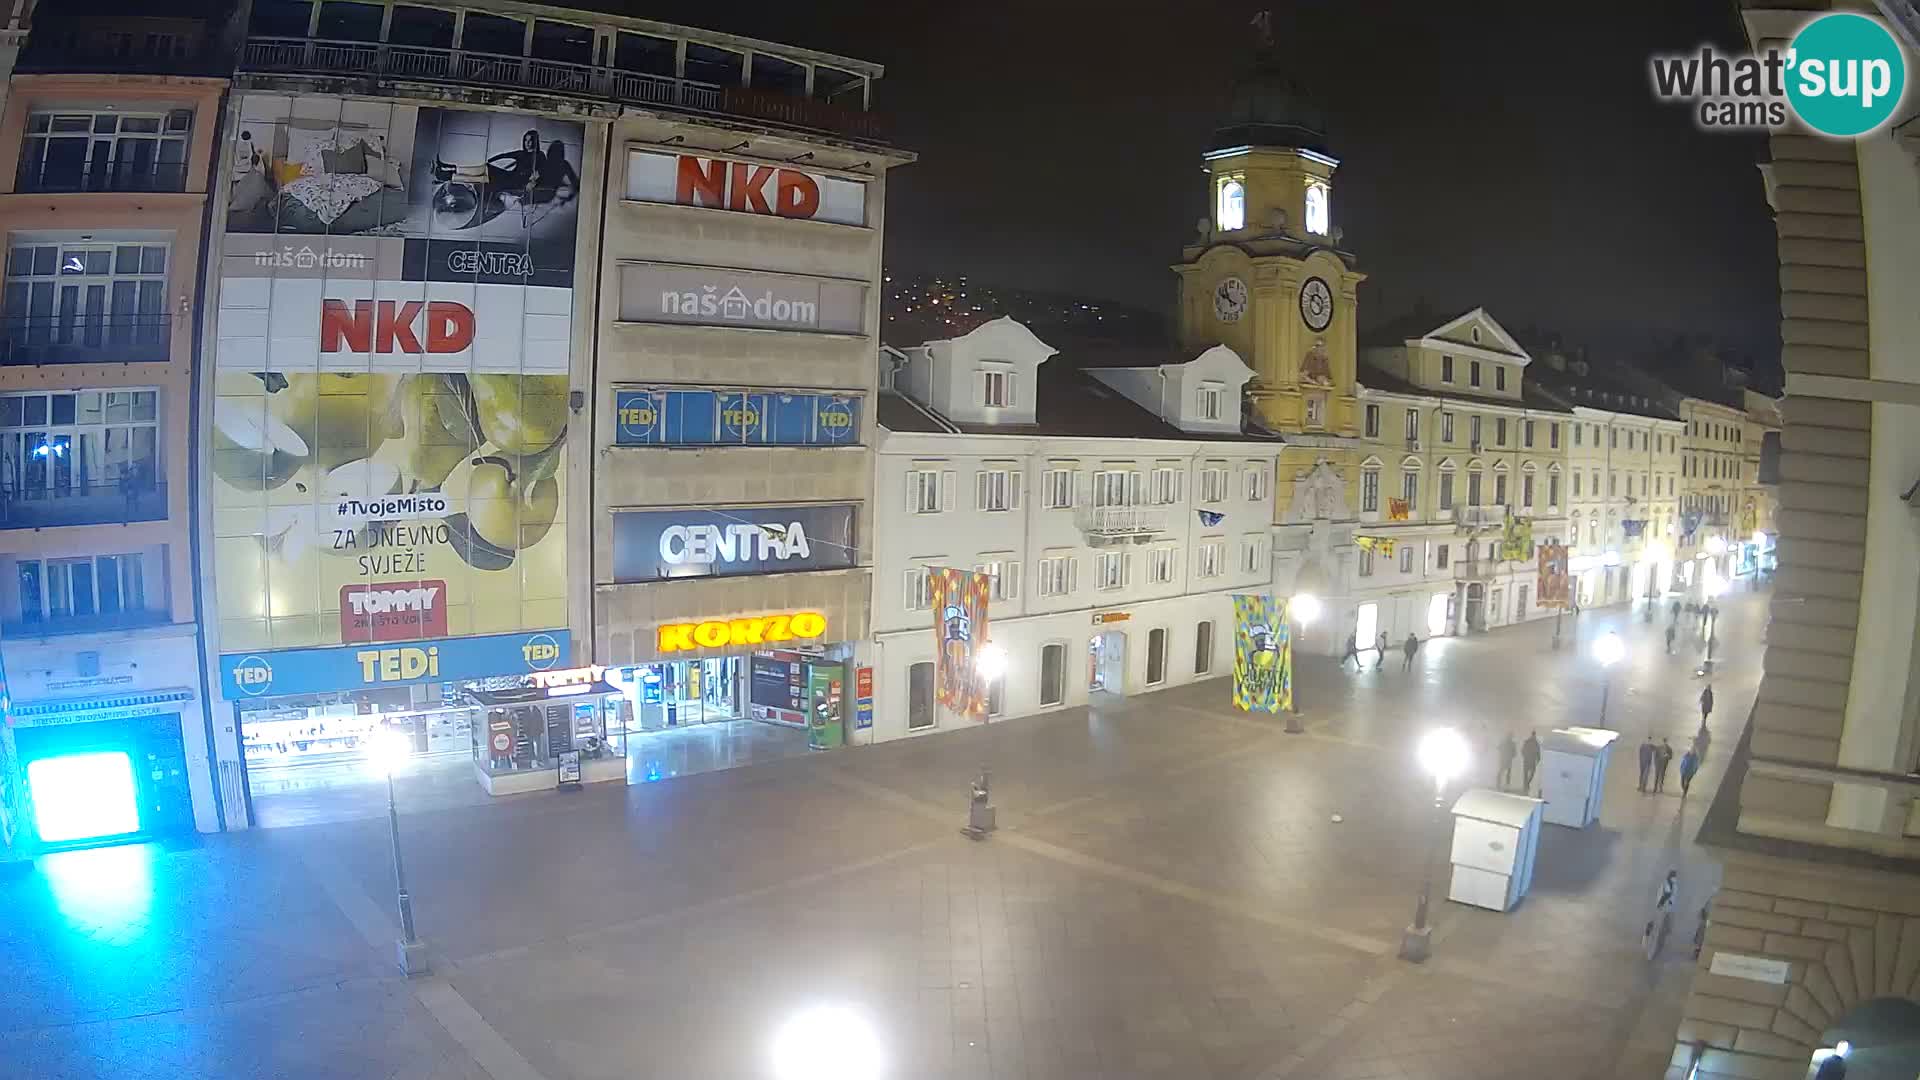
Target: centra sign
757	630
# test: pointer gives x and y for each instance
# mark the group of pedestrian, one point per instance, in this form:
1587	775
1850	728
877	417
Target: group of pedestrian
1655	760
1409	648
1529	753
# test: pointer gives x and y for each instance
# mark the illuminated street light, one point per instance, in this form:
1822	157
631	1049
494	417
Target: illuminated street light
990	661
826	1043
386	751
1305	608
1443	754
1607	652
1716	546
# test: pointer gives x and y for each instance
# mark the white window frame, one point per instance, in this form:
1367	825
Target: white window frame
1210	557
1004	568
996	487
1059	573
916	593
1213	483
1372	421
1253	554
1446	490
1365	565
1410	489
1116	487
1207	400
1406	558
1163	561
1164	485
997	387
1256	483
1230	210
929	489
1056	488
1370	490
1111	570
171	137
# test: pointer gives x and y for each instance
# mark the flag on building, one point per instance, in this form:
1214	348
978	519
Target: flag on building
959	629
1399	509
1210	518
1262	655
1555	585
1516	538
1379	545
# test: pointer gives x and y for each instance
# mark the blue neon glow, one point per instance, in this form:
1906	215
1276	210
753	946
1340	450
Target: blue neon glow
83	796
105	893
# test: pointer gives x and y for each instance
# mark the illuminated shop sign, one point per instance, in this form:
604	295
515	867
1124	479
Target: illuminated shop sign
713	296
651	545
356	667
772	190
756	630
734	418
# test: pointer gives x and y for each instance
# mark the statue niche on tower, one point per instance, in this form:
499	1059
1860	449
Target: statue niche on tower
1316	369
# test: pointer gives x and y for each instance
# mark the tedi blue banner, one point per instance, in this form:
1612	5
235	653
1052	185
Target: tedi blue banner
356	667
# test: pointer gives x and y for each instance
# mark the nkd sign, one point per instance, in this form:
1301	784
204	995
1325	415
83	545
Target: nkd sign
744	187
711	296
653	545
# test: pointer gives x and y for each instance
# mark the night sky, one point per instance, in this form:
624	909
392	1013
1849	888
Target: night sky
1509	155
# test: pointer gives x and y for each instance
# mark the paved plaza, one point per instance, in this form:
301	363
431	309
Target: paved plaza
1168	896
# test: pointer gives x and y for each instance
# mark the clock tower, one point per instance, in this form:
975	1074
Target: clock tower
1266	276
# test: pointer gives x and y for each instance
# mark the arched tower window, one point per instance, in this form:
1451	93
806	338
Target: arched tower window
1318	219
1232	214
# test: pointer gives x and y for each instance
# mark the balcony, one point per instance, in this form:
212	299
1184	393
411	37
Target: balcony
1474	569
82	339
1479	517
99	622
86	504
1119	524
47	177
95	43
317	56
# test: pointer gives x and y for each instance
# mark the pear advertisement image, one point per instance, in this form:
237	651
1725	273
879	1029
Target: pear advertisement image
389	427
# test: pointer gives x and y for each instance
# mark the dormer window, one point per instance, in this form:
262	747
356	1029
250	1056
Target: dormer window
1207	403
1318	219
996	388
1232	212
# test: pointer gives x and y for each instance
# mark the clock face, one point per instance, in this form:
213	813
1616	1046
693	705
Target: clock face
1230	300
1316	304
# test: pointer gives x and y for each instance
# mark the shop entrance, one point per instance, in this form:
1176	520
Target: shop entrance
1107	662
683	693
1439	614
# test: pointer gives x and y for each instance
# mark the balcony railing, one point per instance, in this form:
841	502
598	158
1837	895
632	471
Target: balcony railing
38	177
323	57
1122	522
1474	569
107	503
85	339
141	45
1479	517
56	625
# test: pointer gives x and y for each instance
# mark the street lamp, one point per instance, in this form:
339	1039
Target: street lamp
387	750
1716	587
1304	607
1607	652
1443	755
826	1043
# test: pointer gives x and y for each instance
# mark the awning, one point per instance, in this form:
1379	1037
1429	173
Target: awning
103	707
529	695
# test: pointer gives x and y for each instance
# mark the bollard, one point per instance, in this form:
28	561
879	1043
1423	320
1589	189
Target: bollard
980	812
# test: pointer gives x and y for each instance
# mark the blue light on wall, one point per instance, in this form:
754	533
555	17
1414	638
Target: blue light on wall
83	796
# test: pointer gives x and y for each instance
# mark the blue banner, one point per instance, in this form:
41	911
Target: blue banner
359	667
734	418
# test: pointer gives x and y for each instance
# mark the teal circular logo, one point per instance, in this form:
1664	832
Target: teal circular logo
1846	75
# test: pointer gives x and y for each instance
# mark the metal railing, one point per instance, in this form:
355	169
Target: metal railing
85	339
105	503
1474	569
1121	521
1479	517
37	177
57	625
325	57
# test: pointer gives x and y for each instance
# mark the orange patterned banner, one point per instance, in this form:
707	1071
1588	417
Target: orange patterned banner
959	629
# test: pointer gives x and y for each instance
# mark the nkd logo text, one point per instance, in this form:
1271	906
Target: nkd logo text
1843	75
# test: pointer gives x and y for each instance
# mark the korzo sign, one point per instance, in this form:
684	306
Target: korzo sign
650	545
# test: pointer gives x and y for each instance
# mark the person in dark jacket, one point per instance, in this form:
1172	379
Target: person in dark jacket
1689	764
1507	750
1646	763
1380	652
1352	653
1671	629
1411	645
1706	704
1529	760
1662	758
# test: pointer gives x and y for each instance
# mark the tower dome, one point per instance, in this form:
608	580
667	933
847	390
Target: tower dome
1268	106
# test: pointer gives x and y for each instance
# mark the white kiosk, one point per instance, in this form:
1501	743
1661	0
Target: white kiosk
1495	837
1573	774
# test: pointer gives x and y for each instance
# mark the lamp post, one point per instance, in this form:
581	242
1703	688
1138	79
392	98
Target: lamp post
1607	652
1715	588
990	664
1304	608
388	749
1443	755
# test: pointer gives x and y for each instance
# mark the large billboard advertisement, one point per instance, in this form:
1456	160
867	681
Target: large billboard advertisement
391	393
745	187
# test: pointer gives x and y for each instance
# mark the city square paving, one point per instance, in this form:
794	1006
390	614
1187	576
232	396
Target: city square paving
1168	895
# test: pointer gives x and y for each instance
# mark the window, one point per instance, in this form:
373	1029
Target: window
1413	427
1553	436
1253	553
997	695
1116	487
918	589
1473	373
1213	484
1366	562
1594	430
1577	428
705	63
107	150
1203	648
1446	427
1526	434
1256	483
1053	674
924	488
1056	489
1526	491
1373	421
1058	574
1576	485
1163	486
1500	489
65	456
1369	491
1446	489
1500	431
104	302
1613	438
568	43
996	389
1210	559
1410	489
997	489
1446	369
53	591
636	52
1004	569
1499	376
1156	656
1208	404
1406	558
1441	553
920	696
1553	489
1232	211
1473	488
774	74
1473	430
1318	219
1316	410
1611	486
1112	568
501	36
1160	564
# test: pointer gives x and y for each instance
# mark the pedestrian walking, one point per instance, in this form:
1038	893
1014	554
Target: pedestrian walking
1654	937
1507	752
1529	761
1706	704
1380	652
1671	630
1676	611
1700	930
1689	764
1646	763
1411	645
1701	740
1352	653
1662	758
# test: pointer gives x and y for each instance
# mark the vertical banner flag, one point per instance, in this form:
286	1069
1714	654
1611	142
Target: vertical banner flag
1262	655
959	629
1553	589
1516	539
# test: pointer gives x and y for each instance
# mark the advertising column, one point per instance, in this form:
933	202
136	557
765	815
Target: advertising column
391	394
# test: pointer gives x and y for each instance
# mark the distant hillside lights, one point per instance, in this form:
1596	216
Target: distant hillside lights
737	306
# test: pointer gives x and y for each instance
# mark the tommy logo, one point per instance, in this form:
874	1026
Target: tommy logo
395	611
